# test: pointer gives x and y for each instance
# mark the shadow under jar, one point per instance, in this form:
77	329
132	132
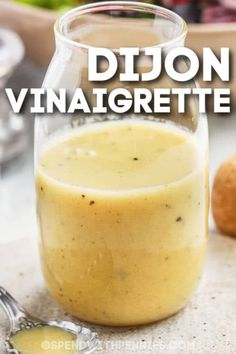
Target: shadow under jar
121	198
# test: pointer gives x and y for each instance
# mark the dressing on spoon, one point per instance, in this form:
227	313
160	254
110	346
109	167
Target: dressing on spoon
45	340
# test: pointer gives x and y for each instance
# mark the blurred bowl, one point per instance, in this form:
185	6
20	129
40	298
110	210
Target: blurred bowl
35	26
215	36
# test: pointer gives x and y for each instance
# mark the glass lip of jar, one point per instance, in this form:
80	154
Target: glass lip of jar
89	9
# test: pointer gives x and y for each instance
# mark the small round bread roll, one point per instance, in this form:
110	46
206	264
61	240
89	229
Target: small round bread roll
224	197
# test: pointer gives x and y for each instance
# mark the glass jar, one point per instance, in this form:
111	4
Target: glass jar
121	198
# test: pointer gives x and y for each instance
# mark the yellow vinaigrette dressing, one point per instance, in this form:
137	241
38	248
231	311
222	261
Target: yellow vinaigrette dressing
122	214
45	340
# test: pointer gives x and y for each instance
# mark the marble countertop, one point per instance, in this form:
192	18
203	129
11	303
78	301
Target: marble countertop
206	326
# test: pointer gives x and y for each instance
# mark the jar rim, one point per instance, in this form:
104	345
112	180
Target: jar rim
118	5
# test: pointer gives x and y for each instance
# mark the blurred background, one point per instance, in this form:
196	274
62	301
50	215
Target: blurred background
26	46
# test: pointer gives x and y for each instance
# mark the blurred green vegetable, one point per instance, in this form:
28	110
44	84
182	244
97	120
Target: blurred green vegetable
60	5
63	5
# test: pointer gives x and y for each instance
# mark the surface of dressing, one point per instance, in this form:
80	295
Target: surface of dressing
117	156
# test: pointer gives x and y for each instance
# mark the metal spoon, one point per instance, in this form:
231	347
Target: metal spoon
21	320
